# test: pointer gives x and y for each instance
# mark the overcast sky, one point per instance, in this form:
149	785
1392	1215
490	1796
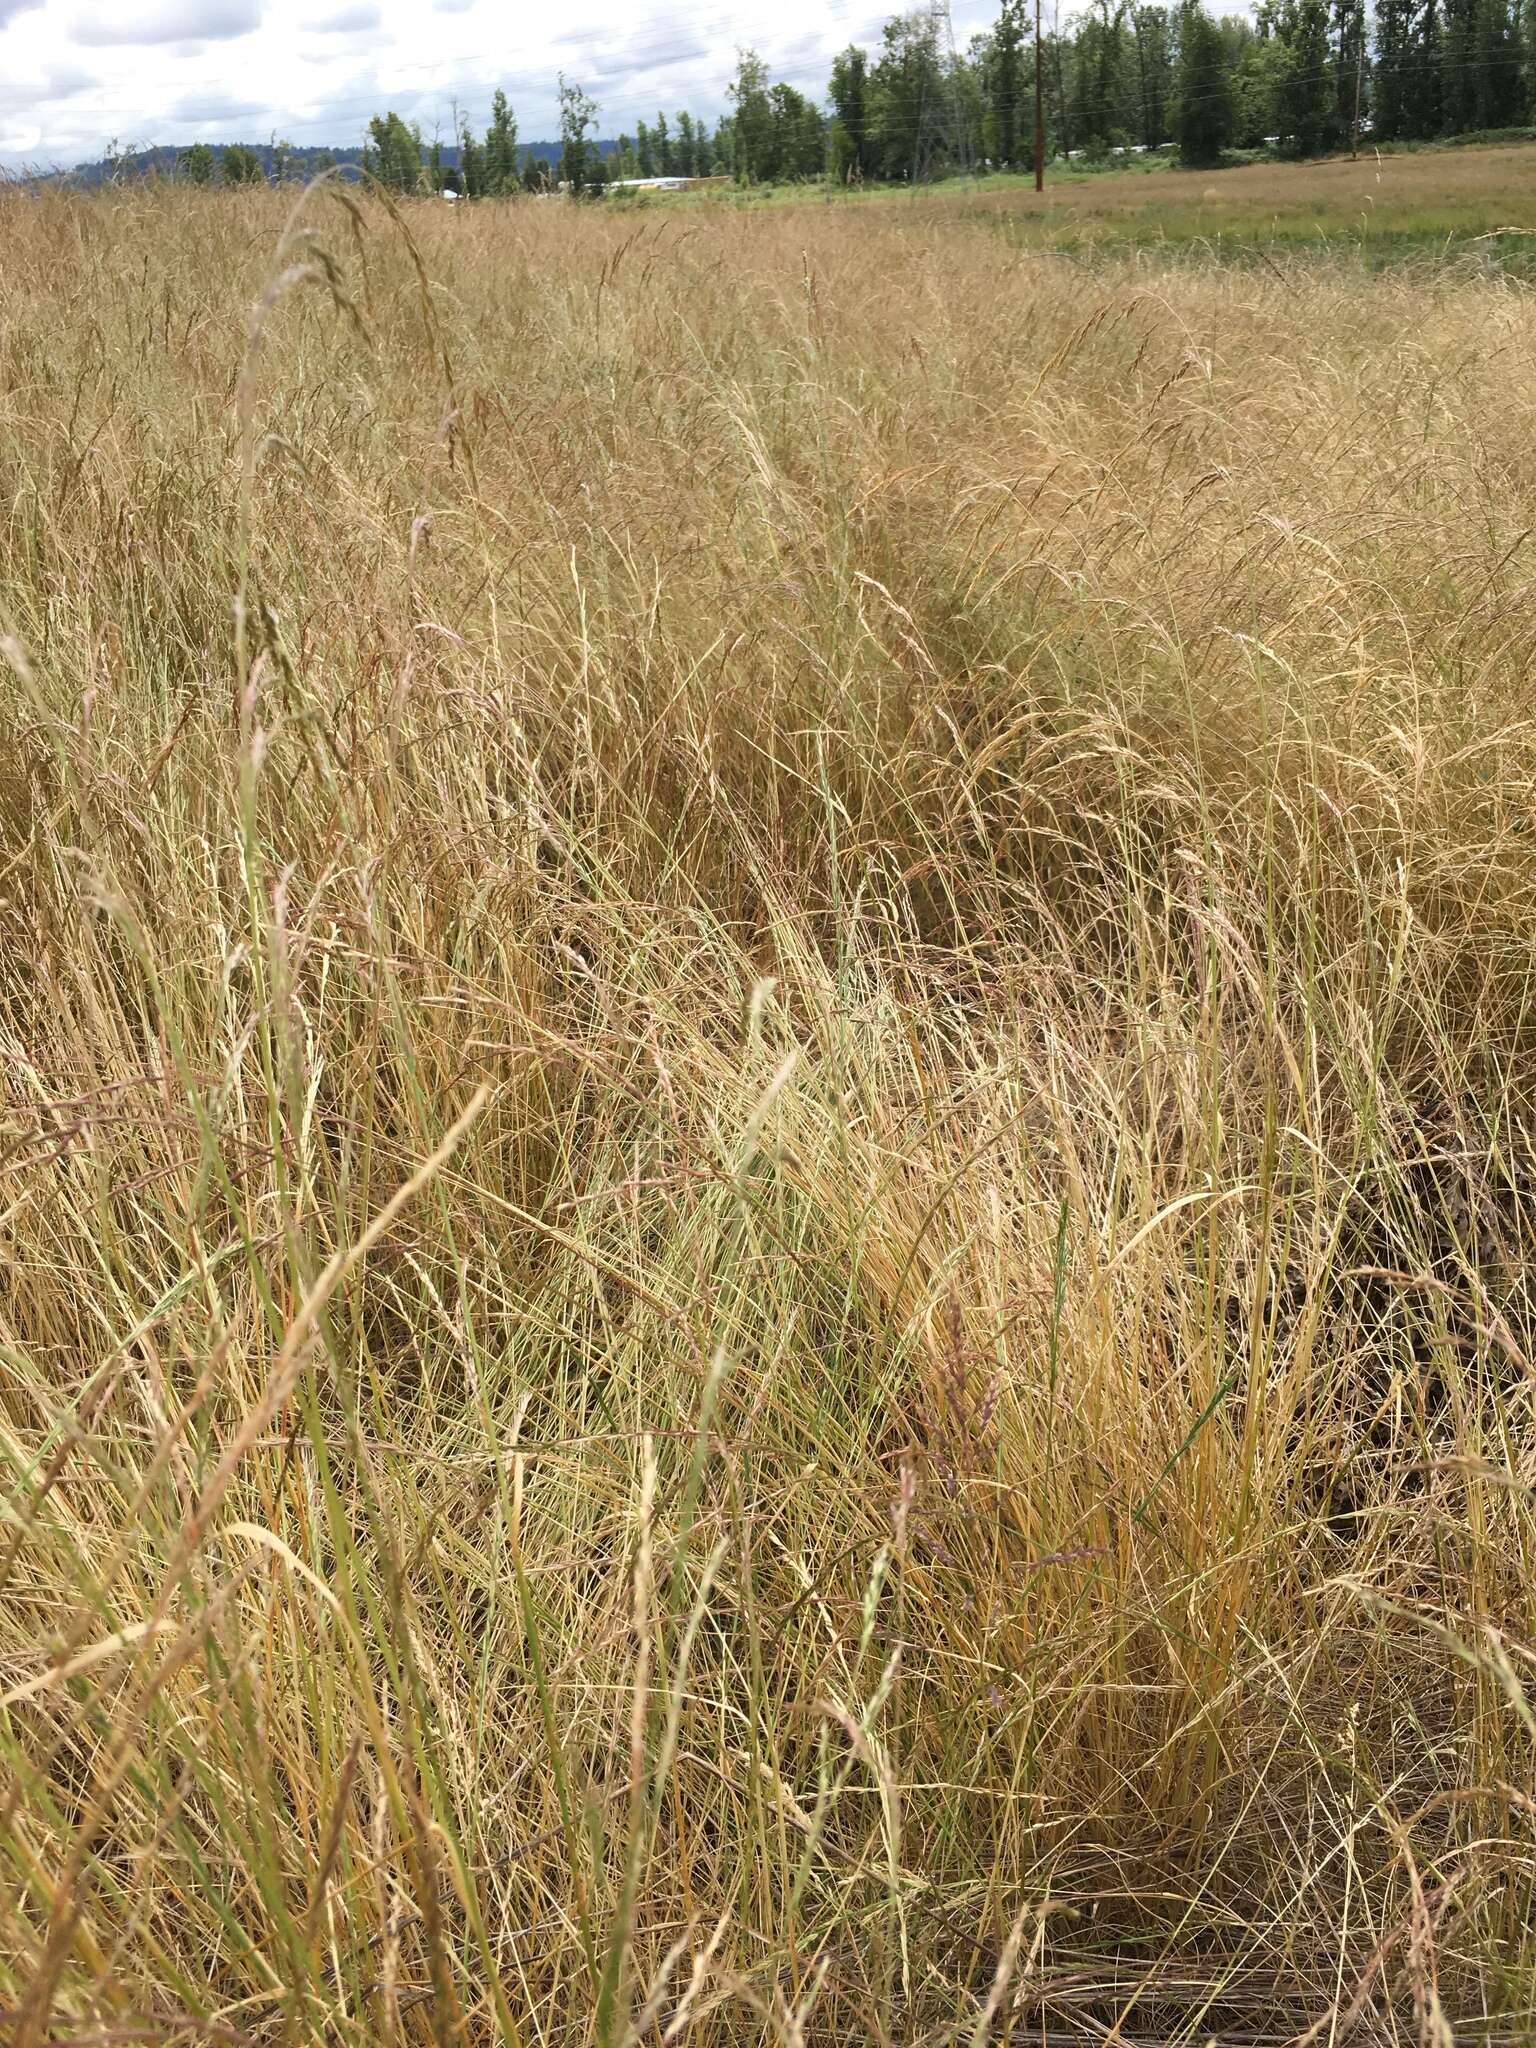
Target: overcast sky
75	74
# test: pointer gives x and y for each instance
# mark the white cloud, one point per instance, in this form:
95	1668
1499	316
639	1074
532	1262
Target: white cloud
166	21
75	73
347	20
229	114
21	91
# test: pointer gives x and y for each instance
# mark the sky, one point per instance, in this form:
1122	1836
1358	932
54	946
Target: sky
78	74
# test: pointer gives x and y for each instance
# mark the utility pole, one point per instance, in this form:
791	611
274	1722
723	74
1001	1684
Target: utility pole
1354	140
1039	111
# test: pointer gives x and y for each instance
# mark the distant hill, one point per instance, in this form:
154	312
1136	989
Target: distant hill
160	161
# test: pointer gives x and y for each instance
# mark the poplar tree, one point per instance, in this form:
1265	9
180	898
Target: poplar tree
1306	82
1391	82
752	123
849	94
394	155
1424	72
1003	120
578	113
1350	75
1499	90
1203	121
241	165
501	147
471	164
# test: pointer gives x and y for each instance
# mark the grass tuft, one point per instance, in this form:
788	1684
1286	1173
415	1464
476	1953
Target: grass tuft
767	1163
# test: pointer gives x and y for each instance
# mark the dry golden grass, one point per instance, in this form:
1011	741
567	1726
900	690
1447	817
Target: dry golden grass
768	1165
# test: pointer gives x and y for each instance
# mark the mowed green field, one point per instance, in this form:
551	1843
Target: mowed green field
1381	206
1477	202
768	1140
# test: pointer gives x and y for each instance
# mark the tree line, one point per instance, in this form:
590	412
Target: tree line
1302	77
495	165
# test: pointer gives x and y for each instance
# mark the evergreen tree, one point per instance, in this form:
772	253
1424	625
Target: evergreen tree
196	164
501	147
645	152
1203	118
686	154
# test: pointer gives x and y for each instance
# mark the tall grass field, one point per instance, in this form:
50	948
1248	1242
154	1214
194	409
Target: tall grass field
768	1141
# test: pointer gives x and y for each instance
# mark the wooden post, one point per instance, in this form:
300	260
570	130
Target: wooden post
1039	111
1354	140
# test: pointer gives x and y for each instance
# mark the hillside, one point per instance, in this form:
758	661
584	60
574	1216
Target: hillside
300	162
